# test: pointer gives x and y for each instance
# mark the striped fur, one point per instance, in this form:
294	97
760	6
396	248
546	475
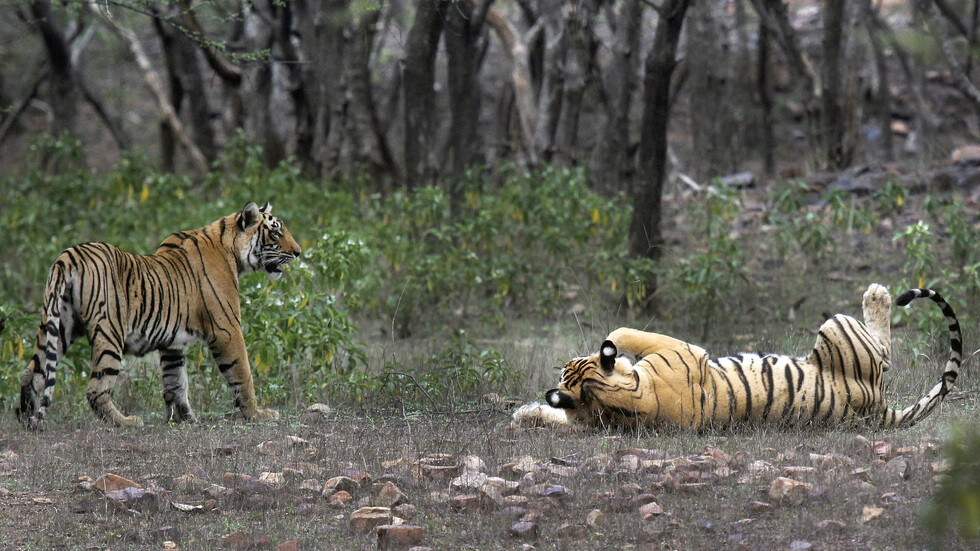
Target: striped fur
676	383
133	304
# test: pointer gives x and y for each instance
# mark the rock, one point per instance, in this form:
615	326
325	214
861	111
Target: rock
788	491
651	510
550	490
389	495
831	526
966	154
340	483
398	536
340	499
109	482
524	530
274	479
883	450
869	514
595	518
289	545
823	461
236	540
467	503
262	542
469	480
366	519
800	545
311	485
898	468
642	499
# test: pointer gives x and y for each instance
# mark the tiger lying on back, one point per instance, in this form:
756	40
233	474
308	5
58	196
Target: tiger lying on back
676	383
133	304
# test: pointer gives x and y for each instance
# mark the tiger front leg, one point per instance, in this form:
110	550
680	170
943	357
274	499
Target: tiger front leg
106	361
641	343
233	364
174	369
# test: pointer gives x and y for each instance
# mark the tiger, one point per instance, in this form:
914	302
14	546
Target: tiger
124	303
674	383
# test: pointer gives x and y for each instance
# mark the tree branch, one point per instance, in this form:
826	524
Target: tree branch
156	88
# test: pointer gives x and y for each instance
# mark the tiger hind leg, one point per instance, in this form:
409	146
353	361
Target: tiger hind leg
174	368
38	379
877	306
106	361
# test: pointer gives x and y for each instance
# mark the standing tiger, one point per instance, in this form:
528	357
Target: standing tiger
676	383
132	304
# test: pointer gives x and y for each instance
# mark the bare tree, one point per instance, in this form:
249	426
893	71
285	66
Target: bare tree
418	79
645	237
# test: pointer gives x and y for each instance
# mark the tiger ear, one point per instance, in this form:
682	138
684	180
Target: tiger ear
249	216
607	356
266	208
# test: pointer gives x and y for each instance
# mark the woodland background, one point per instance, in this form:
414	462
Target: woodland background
409	94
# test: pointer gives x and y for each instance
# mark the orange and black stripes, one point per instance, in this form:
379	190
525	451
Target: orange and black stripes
132	304
839	382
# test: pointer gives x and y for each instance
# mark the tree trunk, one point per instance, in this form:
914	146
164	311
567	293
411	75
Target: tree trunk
838	154
369	146
645	238
551	95
713	129
261	110
765	101
62	90
882	96
613	161
320	26
464	56
418	79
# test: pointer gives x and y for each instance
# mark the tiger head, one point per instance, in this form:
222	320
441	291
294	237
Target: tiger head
263	242
597	386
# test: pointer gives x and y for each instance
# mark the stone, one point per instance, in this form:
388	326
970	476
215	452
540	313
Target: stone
467	503
831	526
789	491
869	514
800	545
398	536
389	495
109	482
595	518
366	519
898	467
524	530
340	483
340	499
651	510
236	540
289	545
